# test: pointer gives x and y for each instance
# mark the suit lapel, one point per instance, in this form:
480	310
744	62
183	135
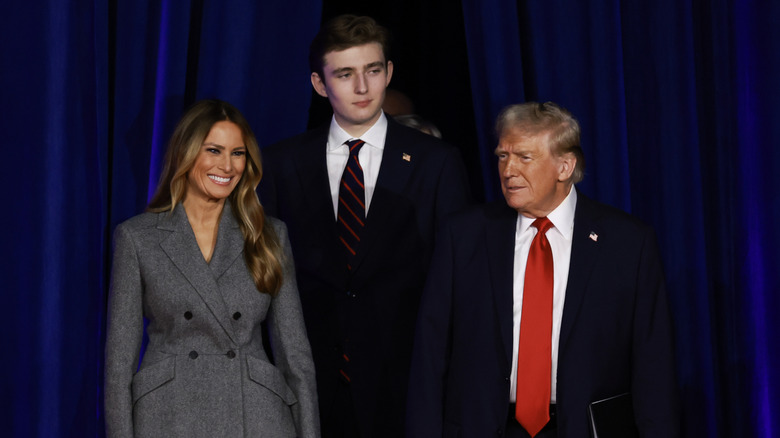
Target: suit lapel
397	165
182	248
312	174
500	241
584	254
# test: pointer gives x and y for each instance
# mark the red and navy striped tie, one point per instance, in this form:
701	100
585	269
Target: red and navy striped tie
352	202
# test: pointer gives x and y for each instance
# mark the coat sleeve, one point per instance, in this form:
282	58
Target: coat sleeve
653	384
124	336
290	345
431	354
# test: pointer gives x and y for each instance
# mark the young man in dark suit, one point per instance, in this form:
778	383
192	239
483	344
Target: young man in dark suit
362	198
541	304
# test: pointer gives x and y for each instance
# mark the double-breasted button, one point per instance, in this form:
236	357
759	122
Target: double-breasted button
193	354
188	315
231	354
237	316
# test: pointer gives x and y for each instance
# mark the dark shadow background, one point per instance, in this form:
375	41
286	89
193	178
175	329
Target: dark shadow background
677	101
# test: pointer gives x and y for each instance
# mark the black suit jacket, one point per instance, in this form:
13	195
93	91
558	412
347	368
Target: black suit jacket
369	314
615	333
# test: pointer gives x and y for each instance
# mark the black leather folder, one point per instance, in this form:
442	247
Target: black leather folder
613	417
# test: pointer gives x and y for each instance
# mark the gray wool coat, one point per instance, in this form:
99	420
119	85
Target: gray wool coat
204	372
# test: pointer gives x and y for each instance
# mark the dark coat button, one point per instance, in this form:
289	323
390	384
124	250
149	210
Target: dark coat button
237	316
231	354
193	354
188	315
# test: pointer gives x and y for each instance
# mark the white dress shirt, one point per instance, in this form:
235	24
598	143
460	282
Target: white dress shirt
370	157
559	236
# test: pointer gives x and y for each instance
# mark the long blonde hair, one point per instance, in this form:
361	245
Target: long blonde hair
262	251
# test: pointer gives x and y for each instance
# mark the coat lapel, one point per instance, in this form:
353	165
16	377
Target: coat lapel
182	248
584	254
394	173
230	243
500	240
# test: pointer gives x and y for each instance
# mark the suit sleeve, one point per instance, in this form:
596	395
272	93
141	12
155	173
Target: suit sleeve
124	336
453	193
292	351
430	357
653	376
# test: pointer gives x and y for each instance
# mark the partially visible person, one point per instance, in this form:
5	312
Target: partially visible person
401	108
397	103
205	266
362	197
520	330
418	123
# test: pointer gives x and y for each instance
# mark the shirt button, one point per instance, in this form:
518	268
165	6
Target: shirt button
193	354
188	315
237	316
231	354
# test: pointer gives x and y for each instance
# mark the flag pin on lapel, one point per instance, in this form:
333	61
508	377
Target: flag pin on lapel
406	157
593	236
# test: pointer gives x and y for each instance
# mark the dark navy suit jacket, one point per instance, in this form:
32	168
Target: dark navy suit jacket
615	335
369	314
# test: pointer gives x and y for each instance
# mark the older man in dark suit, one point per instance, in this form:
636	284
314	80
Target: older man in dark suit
541	305
362	198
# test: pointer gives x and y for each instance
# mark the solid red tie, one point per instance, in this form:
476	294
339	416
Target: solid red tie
534	355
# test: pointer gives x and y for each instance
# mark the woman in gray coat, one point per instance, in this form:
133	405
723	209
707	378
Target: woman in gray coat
205	267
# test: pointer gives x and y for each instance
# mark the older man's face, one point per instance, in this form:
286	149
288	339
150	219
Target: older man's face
533	180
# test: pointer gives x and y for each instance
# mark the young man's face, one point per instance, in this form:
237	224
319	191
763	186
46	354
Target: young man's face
354	82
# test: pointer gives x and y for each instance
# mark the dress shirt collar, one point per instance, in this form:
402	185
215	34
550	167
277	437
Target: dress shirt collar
375	136
562	217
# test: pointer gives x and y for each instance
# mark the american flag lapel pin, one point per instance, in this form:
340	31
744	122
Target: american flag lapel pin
406	157
593	236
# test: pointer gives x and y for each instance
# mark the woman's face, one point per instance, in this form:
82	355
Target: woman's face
219	164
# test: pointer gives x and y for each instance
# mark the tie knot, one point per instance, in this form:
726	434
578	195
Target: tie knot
354	145
542	224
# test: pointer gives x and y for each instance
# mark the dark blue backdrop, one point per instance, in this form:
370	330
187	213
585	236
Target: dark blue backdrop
677	102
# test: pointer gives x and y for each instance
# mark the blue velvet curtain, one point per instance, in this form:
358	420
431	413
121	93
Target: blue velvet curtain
170	53
54	96
676	101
